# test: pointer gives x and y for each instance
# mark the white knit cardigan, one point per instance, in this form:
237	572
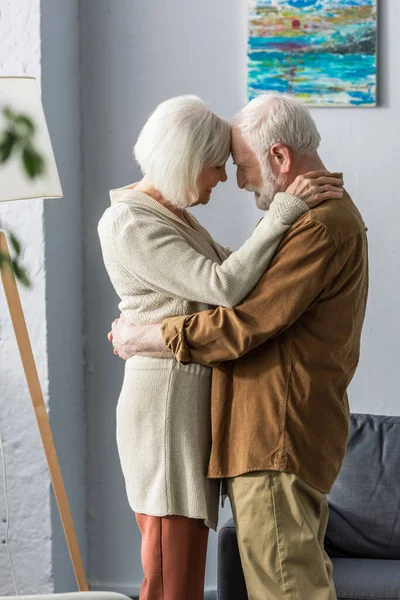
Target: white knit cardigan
160	266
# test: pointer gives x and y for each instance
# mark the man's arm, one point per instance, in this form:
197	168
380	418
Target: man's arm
306	262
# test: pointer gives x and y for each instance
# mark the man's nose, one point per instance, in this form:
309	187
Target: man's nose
240	178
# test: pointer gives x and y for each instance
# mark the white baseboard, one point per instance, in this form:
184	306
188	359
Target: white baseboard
121	588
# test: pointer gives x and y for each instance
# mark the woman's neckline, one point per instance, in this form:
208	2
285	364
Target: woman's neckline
182	215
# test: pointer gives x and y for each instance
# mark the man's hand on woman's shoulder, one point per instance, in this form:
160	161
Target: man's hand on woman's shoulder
315	187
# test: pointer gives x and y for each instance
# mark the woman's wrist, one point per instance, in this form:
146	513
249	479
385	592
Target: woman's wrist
288	208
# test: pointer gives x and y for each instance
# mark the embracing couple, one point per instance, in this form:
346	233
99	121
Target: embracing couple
237	363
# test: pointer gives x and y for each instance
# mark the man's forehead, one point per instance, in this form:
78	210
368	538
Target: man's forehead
239	146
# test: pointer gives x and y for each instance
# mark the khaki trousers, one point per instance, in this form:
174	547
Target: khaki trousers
174	552
281	523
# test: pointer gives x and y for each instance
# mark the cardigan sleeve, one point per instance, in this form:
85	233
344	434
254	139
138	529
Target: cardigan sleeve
227	251
155	253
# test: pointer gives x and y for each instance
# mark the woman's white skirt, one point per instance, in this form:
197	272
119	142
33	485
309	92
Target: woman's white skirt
164	439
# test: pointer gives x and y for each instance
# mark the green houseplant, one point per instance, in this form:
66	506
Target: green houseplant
17	138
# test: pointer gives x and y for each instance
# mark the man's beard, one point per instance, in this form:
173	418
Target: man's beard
265	195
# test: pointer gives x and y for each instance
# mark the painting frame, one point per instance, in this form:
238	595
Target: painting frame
308	49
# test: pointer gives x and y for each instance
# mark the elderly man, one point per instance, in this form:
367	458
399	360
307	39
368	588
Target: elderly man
282	359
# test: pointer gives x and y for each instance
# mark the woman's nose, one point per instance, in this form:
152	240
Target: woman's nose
222	174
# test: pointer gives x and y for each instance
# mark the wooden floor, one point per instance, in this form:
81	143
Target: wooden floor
208	596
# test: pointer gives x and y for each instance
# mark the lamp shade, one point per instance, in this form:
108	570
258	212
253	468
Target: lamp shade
21	95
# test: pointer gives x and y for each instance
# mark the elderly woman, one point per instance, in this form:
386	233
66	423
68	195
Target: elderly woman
163	263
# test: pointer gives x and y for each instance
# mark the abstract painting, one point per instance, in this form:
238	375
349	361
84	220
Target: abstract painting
321	51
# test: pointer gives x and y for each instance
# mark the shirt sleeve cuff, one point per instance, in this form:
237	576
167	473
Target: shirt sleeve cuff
172	331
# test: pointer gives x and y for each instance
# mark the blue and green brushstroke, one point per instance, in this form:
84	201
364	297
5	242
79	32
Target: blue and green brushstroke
322	51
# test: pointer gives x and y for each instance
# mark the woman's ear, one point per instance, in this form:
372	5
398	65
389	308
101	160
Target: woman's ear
281	158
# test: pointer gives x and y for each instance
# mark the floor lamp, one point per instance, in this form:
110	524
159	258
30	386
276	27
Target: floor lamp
22	95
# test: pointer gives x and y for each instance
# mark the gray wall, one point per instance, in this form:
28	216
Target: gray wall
63	256
134	55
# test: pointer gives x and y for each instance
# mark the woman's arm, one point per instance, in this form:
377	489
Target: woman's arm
227	251
156	254
153	251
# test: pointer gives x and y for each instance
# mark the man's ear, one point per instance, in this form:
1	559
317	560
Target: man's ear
281	158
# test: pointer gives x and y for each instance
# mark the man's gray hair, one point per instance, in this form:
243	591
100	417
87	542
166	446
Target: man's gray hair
277	118
180	138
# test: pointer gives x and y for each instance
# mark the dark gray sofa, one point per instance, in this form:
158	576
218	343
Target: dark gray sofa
363	536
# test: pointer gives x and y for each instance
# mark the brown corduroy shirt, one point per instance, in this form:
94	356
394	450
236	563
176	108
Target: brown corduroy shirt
284	357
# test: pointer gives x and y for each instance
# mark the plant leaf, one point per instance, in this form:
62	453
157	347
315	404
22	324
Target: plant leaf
15	244
3	260
25	125
33	162
9	113
20	273
7	144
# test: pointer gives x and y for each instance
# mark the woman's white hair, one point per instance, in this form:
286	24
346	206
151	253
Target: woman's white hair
277	118
180	138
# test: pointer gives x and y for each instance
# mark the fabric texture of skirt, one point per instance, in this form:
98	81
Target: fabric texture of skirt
164	439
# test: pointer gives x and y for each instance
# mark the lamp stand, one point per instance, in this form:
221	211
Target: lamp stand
28	362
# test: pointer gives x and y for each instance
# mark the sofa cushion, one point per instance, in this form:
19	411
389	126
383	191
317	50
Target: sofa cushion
364	502
366	579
